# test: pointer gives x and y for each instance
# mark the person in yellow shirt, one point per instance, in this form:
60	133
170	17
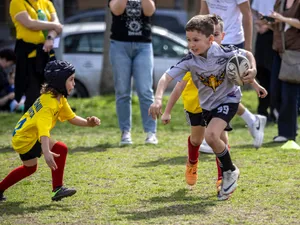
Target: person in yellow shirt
37	26
187	89
31	136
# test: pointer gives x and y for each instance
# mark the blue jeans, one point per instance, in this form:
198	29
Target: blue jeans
132	59
284	97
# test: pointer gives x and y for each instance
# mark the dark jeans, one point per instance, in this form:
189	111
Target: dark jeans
264	59
284	96
264	77
34	83
275	86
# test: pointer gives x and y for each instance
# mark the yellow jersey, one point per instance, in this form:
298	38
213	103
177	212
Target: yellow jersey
39	120
27	35
190	95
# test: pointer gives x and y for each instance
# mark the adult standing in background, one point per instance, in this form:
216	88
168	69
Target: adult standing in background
36	26
288	22
263	53
131	55
237	17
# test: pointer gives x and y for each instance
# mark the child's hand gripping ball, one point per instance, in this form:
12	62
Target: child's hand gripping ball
236	66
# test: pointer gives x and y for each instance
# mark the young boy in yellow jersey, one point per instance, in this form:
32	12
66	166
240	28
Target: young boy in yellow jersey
31	136
187	89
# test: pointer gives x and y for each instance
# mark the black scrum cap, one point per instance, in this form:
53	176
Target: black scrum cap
56	73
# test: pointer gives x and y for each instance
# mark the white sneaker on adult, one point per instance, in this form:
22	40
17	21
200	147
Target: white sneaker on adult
205	148
280	139
126	138
151	139
229	182
257	130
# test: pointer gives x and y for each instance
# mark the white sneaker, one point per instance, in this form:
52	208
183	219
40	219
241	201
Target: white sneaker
126	138
151	139
280	139
229	182
257	130
204	147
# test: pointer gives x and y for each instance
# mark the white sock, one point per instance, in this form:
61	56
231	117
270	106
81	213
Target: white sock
248	117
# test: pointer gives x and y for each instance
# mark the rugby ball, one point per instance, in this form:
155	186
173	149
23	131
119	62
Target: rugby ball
235	68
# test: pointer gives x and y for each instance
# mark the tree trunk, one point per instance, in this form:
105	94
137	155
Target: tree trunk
192	8
106	84
71	7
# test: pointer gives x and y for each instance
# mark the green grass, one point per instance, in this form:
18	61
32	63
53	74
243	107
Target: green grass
143	184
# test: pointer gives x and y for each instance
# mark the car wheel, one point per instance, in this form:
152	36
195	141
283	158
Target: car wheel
79	91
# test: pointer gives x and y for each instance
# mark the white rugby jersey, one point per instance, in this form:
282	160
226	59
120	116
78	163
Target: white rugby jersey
208	74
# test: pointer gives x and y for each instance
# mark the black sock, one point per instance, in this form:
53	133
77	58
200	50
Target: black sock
2	197
225	160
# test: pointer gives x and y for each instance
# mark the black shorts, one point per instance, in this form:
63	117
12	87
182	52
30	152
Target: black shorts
224	111
194	119
35	151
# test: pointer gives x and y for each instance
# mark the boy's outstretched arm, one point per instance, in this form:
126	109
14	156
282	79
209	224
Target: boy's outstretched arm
155	107
250	74
88	122
260	90
179	87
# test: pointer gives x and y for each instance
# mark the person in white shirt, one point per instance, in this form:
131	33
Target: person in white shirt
237	18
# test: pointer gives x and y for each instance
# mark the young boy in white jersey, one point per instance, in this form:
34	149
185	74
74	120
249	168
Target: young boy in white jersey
189	93
219	96
31	136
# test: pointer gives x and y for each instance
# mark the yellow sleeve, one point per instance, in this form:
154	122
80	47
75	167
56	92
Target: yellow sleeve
66	112
44	122
51	7
15	7
187	76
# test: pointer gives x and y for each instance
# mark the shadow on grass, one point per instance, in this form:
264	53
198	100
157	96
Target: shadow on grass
270	144
178	160
97	148
6	150
179	195
16	208
201	206
102	147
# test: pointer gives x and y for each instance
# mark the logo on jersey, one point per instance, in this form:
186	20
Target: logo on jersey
212	81
133	19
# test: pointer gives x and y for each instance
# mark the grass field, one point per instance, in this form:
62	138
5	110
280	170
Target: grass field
143	184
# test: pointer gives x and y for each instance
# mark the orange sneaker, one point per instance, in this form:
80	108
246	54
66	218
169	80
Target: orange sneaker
191	174
218	185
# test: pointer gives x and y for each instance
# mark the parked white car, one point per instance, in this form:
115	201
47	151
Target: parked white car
83	47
